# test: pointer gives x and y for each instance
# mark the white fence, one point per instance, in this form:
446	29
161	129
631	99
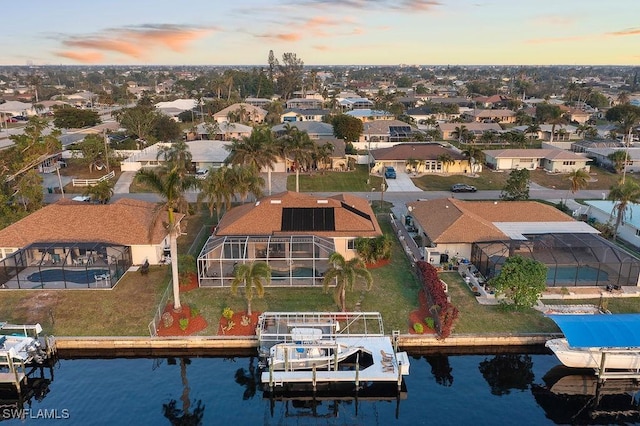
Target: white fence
91	182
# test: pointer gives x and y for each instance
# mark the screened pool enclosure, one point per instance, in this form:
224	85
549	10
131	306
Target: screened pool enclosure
295	261
65	266
573	260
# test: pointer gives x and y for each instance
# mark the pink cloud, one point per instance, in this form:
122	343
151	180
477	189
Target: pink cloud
84	57
557	40
420	5
629	32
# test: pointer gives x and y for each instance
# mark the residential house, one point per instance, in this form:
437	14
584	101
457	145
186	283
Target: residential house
258	102
449	130
304	103
80	239
600	157
604	211
224	131
494	101
320	133
205	154
420	157
349	104
504	116
386	131
295	114
552	160
176	107
423	113
486	233
294	233
241	112
370	115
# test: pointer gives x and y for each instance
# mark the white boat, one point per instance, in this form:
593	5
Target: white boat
19	346
591	357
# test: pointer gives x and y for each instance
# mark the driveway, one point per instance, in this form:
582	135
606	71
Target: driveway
402	183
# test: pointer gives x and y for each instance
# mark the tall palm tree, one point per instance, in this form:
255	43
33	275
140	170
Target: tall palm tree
619	160
258	149
298	147
532	129
176	156
344	274
217	189
579	180
246	179
252	275
474	156
171	187
624	193
446	160
461	132
322	155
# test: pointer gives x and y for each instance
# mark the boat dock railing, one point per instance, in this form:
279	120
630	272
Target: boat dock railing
277	327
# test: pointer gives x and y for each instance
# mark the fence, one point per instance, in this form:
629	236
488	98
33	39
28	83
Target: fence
157	317
91	182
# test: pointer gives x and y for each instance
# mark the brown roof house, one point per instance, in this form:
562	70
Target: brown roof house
294	233
72	244
421	157
486	233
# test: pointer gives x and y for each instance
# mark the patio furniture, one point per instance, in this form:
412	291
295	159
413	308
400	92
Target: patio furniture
102	278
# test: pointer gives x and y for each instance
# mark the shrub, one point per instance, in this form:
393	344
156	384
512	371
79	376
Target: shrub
418	328
194	311
184	323
167	319
446	312
227	313
429	322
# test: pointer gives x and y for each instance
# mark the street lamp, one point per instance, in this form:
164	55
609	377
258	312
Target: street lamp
382	186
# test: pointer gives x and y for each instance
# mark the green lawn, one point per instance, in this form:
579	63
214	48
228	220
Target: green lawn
353	181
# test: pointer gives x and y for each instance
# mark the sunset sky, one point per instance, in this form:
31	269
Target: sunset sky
341	32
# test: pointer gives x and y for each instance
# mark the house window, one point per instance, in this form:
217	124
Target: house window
637	232
351	244
568	163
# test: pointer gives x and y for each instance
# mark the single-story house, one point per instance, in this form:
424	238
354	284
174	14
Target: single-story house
241	112
601	157
603	212
297	114
420	157
348	104
204	154
486	233
490	116
304	103
71	241
386	131
367	115
294	233
224	131
552	160
449	130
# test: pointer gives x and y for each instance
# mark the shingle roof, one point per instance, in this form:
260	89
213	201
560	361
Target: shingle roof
125	222
418	151
449	220
549	153
265	217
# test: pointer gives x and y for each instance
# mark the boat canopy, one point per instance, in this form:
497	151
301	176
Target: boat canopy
600	331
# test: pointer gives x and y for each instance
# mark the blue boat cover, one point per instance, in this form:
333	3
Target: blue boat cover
600	331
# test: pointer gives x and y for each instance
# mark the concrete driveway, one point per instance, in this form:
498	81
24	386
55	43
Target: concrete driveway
402	183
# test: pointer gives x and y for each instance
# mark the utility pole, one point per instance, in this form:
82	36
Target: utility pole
106	148
60	179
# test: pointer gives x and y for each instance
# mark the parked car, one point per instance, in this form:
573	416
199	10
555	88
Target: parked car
463	187
390	172
11	120
202	173
20	118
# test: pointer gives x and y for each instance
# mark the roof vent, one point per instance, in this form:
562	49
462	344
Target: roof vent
276	201
322	201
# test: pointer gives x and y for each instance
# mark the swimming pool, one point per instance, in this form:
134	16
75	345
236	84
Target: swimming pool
296	272
79	277
576	273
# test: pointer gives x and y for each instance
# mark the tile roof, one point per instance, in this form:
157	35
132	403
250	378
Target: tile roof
450	220
472	127
549	153
265	217
418	151
125	222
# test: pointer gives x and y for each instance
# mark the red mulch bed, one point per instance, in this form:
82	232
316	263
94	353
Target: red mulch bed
191	284
238	329
197	323
420	314
379	264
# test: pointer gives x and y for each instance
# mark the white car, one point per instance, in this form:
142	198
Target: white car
202	173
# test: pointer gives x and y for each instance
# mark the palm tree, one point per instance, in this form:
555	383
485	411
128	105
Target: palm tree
460	133
100	192
252	275
344	273
579	180
322	155
412	163
619	160
246	179
217	189
446	160
171	187
474	156
624	193
258	150
298	147
177	157
531	130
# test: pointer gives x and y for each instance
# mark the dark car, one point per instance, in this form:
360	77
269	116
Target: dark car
20	118
390	173
463	187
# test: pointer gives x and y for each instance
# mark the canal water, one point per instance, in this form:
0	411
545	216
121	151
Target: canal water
441	390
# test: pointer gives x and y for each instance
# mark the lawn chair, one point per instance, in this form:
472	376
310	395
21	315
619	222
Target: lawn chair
385	356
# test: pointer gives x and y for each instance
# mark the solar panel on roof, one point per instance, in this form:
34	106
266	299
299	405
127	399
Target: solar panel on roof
308	219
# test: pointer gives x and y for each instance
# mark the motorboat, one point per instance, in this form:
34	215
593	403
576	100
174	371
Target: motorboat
308	350
591	357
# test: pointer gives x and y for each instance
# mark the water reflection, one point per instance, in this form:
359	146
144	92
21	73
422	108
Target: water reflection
34	389
441	369
574	396
505	372
186	415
